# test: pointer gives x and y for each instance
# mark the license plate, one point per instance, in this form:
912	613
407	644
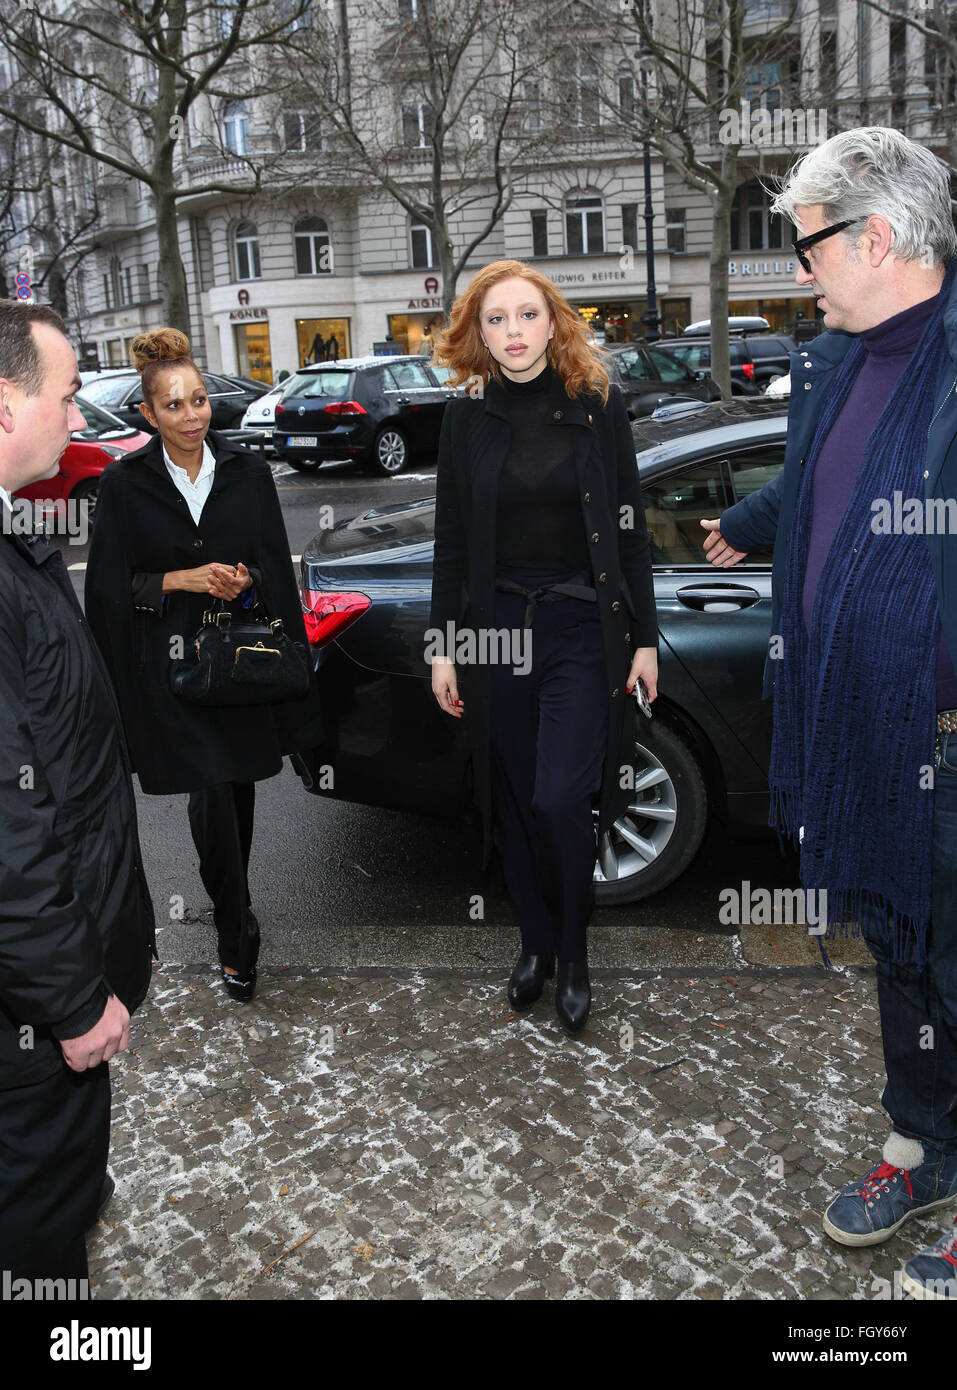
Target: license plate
267	434
301	441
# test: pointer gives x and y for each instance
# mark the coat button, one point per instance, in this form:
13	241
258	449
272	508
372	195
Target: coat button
615	606
594	536
807	386
589	419
587	496
614	693
559	415
197	545
627	638
602	578
926	473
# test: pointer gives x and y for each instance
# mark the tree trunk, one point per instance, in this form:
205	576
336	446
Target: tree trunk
446	268
176	304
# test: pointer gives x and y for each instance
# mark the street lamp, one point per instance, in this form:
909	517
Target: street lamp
651	318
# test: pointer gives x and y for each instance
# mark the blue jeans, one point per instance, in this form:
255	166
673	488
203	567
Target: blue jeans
919	1010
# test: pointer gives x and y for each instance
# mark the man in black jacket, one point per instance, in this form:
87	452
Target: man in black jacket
76	921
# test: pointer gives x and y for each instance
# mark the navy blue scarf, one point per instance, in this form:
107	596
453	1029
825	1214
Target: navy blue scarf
855	697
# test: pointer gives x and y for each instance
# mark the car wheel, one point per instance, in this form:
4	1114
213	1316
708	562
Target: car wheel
86	492
390	452
301	465
661	832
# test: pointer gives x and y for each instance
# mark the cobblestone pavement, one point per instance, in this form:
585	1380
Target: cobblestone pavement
380	1135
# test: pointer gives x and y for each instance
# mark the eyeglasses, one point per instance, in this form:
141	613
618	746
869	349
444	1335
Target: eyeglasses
802	244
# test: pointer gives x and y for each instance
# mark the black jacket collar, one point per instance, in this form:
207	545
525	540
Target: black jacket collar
152	453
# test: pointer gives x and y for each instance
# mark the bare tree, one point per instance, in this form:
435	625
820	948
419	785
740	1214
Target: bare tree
117	85
728	90
433	102
928	71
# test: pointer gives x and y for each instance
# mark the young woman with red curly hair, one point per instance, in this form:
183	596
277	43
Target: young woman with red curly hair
540	536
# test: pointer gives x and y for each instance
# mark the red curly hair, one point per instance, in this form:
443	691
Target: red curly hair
460	345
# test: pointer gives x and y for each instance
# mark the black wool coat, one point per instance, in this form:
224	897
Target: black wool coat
142	529
473	446
76	921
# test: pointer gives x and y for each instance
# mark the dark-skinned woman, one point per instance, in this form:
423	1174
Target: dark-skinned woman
186	519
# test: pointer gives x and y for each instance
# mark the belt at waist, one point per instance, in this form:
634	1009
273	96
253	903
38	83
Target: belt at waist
947	721
545	593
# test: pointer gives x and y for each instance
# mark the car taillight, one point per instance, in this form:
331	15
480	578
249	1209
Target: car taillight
748	369
326	614
280	409
345	408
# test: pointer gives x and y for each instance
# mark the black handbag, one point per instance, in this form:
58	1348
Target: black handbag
242	661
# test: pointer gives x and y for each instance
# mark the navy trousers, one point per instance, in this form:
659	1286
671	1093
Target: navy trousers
549	731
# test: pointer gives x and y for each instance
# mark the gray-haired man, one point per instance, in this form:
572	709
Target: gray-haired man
864	634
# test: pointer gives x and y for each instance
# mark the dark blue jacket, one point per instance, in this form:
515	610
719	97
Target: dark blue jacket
767	516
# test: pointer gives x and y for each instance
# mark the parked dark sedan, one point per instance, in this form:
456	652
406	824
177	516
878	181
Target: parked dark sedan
366	587
649	378
376	410
119	391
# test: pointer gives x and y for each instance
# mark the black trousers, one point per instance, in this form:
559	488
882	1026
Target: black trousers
221	819
549	731
54	1142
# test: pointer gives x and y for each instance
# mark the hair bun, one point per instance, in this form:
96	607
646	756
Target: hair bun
160	345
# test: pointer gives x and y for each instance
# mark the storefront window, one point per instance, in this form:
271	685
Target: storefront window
413	332
323	340
252	351
622	322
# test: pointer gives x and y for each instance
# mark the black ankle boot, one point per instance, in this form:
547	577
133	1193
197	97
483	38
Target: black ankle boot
573	994
528	979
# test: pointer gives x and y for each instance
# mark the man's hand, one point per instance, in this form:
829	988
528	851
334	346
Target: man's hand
107	1037
716	548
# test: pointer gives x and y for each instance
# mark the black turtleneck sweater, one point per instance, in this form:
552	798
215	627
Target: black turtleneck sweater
539	528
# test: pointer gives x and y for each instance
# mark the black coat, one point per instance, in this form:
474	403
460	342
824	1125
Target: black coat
76	921
473	445
142	529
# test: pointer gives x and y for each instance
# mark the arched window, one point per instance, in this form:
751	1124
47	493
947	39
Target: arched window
584	224
236	128
313	247
247	251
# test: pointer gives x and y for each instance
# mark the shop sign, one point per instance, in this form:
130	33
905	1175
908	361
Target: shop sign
593	277
248	313
425	304
761	267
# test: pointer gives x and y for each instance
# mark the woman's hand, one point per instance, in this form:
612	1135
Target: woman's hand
222	581
229	582
444	686
644	664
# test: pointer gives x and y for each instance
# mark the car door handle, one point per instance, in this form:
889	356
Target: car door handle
404	400
717	598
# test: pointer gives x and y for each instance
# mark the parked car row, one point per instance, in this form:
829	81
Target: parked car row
366	587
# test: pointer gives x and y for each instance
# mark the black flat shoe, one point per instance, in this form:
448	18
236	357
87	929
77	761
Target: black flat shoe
572	994
237	988
528	979
105	1197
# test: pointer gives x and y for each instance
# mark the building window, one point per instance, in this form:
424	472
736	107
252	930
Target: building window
410	9
107	297
675	228
313	247
629	225
423	252
301	131
247	251
753	226
417	124
128	277
532	102
626	91
582	95
584	224
236	128
539	233
144	282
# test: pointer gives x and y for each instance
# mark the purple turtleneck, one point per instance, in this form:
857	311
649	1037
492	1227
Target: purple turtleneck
889	348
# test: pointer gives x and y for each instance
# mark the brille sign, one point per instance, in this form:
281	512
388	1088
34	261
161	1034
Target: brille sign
786	267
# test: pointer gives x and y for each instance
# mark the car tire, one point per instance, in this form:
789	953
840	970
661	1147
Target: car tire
390	452
671	785
301	465
86	492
